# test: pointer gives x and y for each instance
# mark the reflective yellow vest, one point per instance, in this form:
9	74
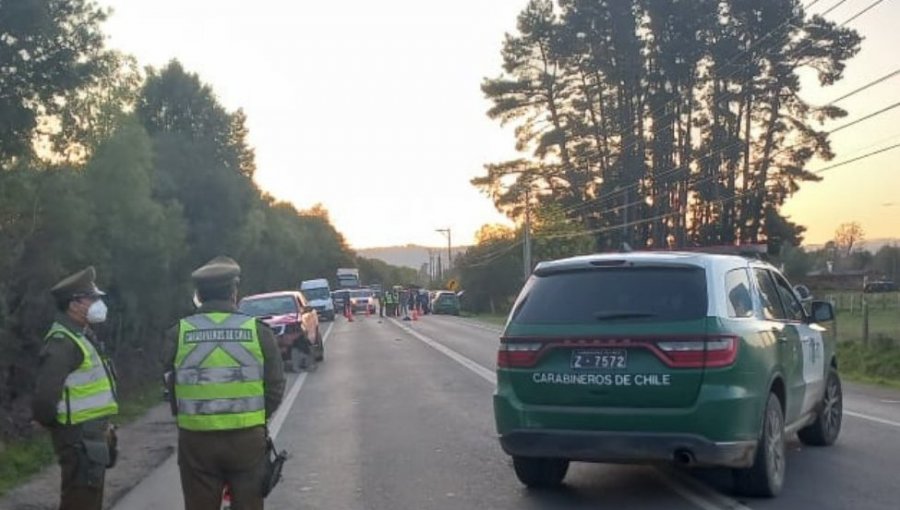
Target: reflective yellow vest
219	373
88	392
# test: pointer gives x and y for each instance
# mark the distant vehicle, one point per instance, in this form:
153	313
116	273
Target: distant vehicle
445	303
691	358
295	323
318	294
340	297
362	300
348	278
880	286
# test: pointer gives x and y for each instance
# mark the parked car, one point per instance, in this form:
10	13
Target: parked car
690	358
318	294
880	286
362	300
445	303
294	322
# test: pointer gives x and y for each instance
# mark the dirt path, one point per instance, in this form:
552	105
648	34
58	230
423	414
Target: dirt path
143	445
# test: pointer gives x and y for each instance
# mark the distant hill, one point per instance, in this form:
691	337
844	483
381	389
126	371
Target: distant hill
872	245
411	255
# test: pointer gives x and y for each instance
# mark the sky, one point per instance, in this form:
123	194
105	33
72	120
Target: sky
374	108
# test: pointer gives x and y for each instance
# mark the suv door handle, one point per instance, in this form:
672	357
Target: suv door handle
779	335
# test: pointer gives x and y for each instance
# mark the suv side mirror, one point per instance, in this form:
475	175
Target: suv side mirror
822	311
803	293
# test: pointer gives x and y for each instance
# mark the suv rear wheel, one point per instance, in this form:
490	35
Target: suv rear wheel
766	476
540	473
825	430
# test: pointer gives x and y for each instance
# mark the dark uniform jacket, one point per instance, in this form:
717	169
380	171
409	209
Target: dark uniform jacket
59	357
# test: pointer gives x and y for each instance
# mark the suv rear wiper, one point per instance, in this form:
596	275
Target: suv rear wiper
605	316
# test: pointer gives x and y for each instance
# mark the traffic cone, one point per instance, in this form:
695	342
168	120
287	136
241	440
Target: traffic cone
415	314
226	498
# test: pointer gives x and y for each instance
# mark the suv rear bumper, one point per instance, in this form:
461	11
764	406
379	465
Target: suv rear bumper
628	447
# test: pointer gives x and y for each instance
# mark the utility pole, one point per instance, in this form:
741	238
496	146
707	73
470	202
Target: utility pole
526	246
446	232
440	270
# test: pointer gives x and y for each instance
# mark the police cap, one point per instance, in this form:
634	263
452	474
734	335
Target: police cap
78	285
218	272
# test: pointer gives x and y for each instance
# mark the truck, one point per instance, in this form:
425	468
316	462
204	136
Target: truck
348	278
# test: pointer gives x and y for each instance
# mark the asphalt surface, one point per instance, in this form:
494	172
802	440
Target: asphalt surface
399	417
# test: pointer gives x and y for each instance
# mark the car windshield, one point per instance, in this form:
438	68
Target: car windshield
591	296
266	306
361	293
317	293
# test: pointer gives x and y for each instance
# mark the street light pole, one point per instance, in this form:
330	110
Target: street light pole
526	246
446	232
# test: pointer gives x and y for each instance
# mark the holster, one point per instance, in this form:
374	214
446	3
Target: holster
274	463
112	441
93	458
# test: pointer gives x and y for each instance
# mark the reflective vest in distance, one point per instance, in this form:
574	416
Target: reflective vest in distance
88	392
219	373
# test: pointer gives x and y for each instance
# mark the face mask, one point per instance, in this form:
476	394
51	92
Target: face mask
97	312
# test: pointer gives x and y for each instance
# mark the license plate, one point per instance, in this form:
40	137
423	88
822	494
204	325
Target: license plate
605	359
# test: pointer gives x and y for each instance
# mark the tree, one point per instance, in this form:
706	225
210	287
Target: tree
848	235
202	159
666	122
48	49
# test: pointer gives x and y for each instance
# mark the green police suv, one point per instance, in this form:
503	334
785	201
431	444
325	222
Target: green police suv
692	358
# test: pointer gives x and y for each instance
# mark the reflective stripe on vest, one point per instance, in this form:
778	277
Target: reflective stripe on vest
219	373
88	392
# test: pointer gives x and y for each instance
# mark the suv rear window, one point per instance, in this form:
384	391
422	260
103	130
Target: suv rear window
596	295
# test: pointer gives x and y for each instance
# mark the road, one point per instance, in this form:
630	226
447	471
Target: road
399	417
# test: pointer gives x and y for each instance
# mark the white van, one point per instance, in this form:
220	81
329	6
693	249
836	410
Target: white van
318	294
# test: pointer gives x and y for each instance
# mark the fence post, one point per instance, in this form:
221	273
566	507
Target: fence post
851	303
834	327
865	312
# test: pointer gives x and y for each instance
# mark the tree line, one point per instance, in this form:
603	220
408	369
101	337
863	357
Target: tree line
656	123
141	173
665	123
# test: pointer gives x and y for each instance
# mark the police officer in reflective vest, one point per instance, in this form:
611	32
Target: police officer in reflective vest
228	381
75	394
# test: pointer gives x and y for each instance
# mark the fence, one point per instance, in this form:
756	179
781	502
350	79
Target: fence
867	317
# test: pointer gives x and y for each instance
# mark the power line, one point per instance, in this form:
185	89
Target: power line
719	201
712	152
619	191
860	13
493	256
833	7
776	153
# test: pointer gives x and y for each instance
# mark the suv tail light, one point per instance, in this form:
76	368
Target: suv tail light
712	352
518	354
702	352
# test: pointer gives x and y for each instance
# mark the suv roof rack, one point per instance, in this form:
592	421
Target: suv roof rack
753	251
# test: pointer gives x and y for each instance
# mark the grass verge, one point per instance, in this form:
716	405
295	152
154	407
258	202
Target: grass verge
487	318
877	364
22	460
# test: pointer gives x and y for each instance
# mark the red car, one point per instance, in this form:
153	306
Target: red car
295	323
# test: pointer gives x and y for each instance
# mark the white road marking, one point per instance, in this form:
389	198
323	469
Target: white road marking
691	490
698	489
890	401
288	402
486	374
477	325
688	495
872	418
